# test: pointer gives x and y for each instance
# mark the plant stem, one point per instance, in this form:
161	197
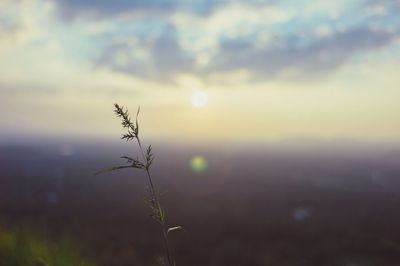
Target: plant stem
157	201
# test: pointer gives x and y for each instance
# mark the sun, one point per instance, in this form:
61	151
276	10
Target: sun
199	99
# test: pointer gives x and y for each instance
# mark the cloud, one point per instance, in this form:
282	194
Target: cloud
105	8
319	55
323	50
21	24
201	34
9	30
160	40
71	8
155	55
12	90
382	9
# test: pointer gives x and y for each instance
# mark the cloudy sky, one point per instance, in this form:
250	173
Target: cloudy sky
202	70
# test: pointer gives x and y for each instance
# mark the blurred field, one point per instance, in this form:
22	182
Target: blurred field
254	206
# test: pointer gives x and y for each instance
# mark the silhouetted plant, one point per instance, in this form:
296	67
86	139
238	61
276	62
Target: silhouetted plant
144	163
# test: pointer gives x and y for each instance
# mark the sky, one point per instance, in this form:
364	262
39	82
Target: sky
245	70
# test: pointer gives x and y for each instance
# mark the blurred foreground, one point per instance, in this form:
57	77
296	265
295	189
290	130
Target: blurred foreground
254	206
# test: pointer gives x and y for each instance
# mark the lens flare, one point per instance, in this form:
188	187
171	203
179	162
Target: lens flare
198	164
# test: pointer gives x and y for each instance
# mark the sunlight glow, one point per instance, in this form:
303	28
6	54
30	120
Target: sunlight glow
199	99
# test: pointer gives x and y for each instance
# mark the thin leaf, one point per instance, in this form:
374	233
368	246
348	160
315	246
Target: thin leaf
175	228
112	169
128	159
138	164
137	125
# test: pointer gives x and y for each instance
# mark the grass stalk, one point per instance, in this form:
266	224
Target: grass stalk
158	203
153	200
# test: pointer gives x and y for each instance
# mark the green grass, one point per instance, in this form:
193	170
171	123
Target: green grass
23	247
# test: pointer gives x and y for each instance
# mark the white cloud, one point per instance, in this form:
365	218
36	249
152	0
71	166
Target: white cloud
24	22
325	8
375	10
202	34
323	31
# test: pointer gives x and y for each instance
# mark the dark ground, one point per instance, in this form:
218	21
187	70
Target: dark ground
254	206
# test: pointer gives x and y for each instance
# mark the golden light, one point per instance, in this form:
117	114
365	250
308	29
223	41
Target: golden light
199	99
